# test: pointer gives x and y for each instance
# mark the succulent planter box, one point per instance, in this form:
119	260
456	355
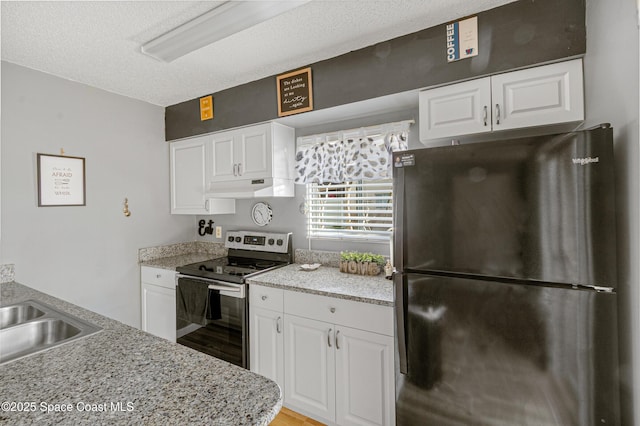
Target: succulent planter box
360	268
361	263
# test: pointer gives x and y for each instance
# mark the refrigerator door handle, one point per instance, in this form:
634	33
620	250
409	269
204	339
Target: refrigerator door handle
398	281
398	219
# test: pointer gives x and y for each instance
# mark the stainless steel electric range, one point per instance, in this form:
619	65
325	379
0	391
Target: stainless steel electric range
211	296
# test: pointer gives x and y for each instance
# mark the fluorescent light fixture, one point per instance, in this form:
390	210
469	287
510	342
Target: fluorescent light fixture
227	19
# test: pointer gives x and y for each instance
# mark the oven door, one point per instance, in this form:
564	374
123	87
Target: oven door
212	317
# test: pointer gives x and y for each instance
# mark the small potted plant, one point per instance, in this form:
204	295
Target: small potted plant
352	262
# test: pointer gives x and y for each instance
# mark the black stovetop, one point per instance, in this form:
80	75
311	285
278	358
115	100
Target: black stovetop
229	268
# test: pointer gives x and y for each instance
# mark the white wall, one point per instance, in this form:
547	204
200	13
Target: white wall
612	87
86	255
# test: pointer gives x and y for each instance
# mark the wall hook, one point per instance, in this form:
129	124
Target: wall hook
126	211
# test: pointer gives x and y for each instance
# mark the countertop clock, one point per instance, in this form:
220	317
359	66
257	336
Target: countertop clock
261	213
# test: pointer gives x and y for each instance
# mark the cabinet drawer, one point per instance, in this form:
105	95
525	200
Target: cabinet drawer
360	315
266	297
158	276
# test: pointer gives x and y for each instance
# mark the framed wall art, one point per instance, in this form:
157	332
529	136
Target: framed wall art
61	181
295	92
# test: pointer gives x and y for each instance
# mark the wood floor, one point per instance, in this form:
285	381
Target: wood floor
287	417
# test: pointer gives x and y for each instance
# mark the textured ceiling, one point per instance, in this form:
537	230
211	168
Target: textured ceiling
98	43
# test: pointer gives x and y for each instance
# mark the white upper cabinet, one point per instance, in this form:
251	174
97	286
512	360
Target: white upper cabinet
538	96
242	154
460	109
253	161
544	95
188	177
189	163
222	157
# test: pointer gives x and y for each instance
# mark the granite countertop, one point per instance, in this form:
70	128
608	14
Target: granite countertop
329	281
172	262
122	375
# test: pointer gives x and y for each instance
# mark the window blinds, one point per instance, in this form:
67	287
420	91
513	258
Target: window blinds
355	210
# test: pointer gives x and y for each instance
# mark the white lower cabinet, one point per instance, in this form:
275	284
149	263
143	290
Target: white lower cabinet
266	332
333	358
365	393
337	373
267	344
310	366
158	294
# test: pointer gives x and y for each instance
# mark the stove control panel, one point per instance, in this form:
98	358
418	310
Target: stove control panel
258	241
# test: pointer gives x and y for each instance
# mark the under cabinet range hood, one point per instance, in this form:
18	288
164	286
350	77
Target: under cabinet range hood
251	188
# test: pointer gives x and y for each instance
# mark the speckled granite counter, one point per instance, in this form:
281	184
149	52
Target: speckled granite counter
172	262
328	281
174	255
122	375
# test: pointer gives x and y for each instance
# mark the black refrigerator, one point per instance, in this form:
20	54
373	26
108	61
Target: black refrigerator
505	290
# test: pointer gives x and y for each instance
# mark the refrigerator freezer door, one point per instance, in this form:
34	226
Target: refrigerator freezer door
538	208
489	353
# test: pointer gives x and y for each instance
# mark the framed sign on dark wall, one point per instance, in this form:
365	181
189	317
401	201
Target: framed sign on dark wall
295	92
61	181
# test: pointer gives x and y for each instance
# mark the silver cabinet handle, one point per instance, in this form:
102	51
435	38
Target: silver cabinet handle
329	337
206	204
333	310
158	276
235	170
264	297
278	327
485	115
337	344
239	169
497	113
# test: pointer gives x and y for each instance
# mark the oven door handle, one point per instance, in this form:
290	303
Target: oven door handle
224	288
216	285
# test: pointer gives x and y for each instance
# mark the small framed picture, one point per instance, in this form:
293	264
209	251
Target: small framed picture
295	92
61	181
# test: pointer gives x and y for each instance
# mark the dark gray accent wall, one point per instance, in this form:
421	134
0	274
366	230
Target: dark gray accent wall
516	35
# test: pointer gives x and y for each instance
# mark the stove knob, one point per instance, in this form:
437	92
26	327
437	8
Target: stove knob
280	242
271	241
231	239
238	239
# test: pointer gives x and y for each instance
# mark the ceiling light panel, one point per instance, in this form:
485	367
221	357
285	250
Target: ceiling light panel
229	18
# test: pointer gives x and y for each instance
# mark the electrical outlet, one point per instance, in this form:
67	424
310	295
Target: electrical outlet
218	231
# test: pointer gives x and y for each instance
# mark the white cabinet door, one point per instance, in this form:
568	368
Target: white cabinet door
548	94
224	165
455	110
364	378
159	311
544	95
241	154
267	344
310	366
253	152
188	176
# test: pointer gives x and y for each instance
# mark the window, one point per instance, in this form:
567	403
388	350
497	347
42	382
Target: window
361	210
348	181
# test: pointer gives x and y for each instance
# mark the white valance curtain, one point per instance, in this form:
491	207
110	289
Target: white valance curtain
348	157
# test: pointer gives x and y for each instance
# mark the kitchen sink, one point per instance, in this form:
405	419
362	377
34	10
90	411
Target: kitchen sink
19	313
29	327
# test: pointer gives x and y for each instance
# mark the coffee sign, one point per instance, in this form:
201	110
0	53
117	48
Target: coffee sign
295	93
